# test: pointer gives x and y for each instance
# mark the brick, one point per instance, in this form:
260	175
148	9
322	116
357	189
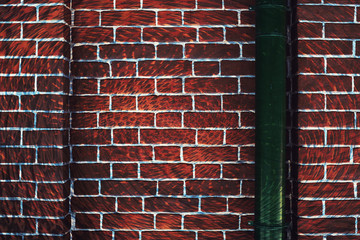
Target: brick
169	51
44	173
123	103
126	235
207	103
326	225
89	103
17	155
87	220
103	235
127	86
324	83
85	120
167	170
167	136
307	172
171	187
233	4
126	51
9	102
326	190
17	48
211	85
240	34
311	65
9	66
205	235
171	204
9	137
207	171
248	50
164	103
243	171
86	18
211	222
213	187
169	34
92	35
54	48
94	69
169	85
340	30
343	172
168	221
240	136
53	190
43	66
216	17
126	119
128	34
307	30
16	119
209	4
343	137
208	68
342	237
163	235
44	208
237	67
128	221
211	34
348	207
87	4
167	4
168	119
17	189
168	153
343	65
247	119
247	17
324	47
53	155
10	207
210	154
126	153
125	136
213	204
54	226
309	208
93	204
10	30
90	170
127	4
17	84
240	235
239	102
53	84
46	30
16	225
18	13
308	137
325	119
86	187
210	137
123	69
94	136
45	137
44	102
9	172
324	155
169	18
85	52
241	205
129	204
326	13
310	101
132	188
84	153
55	13
212	51
193	119
125	18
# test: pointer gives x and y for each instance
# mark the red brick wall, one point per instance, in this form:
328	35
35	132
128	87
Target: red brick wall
327	103
162	119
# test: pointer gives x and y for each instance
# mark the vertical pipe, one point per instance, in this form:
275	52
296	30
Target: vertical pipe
270	119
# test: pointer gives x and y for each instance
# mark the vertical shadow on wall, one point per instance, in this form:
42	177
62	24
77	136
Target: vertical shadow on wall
292	120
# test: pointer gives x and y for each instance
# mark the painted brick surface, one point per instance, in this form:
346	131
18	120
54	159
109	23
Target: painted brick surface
34	120
327	104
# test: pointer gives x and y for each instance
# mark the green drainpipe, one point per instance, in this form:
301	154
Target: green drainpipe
270	119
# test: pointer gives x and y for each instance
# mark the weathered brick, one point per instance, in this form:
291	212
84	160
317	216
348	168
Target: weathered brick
91	170
125	136
169	34
132	188
212	51
86	18
171	204
16	119
94	69
326	225
211	222
168	119
46	30
93	204
213	204
125	51
94	136
216	17
126	119
326	190
163	235
212	187
211	85
169	51
171	187
126	153
168	221
124	18
167	136
167	170
195	119
210	154
207	171
123	69
45	137
165	103
17	48
92	35
44	173
169	18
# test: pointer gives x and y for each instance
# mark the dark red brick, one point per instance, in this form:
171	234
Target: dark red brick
168	221
167	170
168	119
9	172
164	235
243	171
9	102
88	4
85	52
126	153
45	137
194	119
207	102
132	188
324	83
207	171
240	34
213	187
123	103
84	120
10	30
207	68
93	69
46	30
93	204
202	222
125	51
169	51
307	172
213	204
212	51
326	13
17	189
17	155
44	173
324	155
44	208
325	119
211	85
169	34
237	67
309	208
18	13
171	204
44	102
90	170
123	69
165	103
239	102
167	136
87	221
84	153
89	103
125	136
9	65
126	119
210	154
211	18
167	153
94	136
125	170
17	84
326	190
92	35
129	204
53	84
16	225
128	34
169	85
59	13
86	18
16	119
167	4
326	225
171	187
86	187
124	18
17	48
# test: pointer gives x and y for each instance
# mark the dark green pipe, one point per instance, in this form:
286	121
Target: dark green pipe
270	120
